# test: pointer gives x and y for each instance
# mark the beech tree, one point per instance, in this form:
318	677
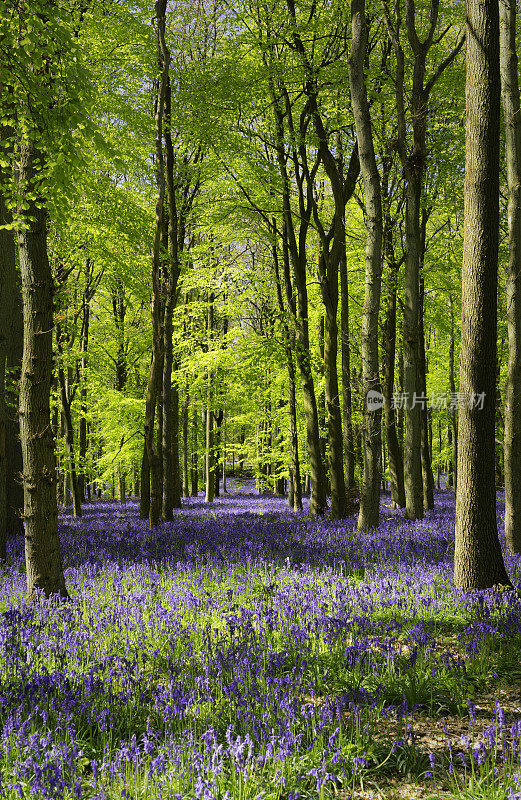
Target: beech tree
370	497
512	117
478	561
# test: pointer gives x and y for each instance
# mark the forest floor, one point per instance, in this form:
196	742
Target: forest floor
244	652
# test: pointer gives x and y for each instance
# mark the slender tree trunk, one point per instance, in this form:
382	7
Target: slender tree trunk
42	543
438	471
296	498
69	437
218	418
82	434
154	387
186	409
209	477
389	357
224	453
370	495
144	493
209	460
347	419
478	561
413	163
427	476
512	116
7	288
194	472
122	486
15	492
412	438
453	423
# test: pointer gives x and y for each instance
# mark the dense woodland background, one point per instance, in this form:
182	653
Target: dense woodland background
228	223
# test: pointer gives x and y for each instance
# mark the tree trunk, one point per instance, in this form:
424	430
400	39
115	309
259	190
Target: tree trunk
82	435
296	494
478	561
218	418
122	486
15	492
512	116
413	164
345	348
209	477
69	435
389	357
427	476
370	494
224	453
42	543
194	470
144	492
156	367
7	295
186	409
453	423
412	438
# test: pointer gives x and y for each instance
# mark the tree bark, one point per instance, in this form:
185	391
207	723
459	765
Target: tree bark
453	423
194	469
186	409
144	493
65	398
370	495
170	427
42	543
389	355
427	476
82	432
478	561
7	289
512	117
345	349
209	460
156	366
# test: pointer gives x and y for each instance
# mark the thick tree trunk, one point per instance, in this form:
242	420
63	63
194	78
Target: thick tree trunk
42	543
478	561
512	116
370	494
